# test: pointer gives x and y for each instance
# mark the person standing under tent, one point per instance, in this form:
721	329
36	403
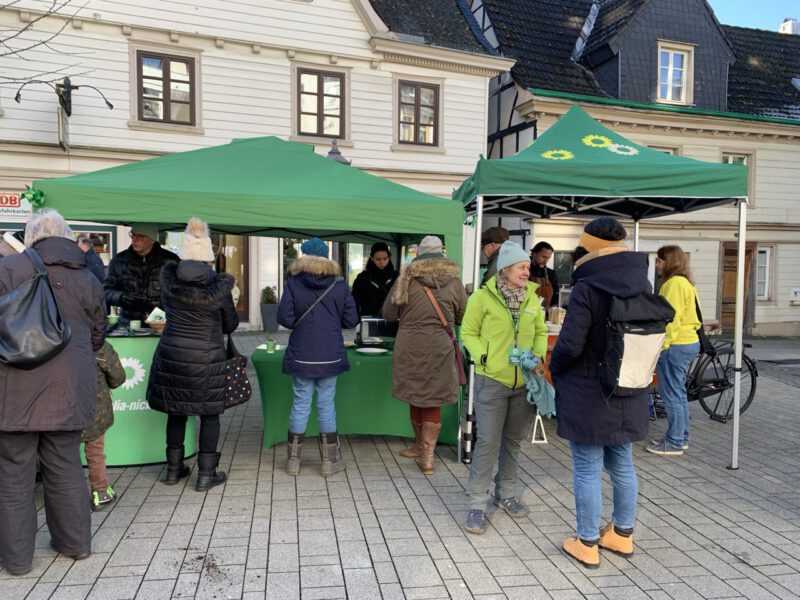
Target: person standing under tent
372	285
424	365
504	318
601	428
316	305
188	376
544	275
681	346
491	240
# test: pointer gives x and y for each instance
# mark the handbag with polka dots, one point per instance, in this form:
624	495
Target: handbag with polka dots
237	385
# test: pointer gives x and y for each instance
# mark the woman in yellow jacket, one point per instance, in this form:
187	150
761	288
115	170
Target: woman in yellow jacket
503	319
681	346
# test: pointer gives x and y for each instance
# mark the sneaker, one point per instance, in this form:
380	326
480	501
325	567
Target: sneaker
685	445
662	448
100	499
476	522
513	507
656	441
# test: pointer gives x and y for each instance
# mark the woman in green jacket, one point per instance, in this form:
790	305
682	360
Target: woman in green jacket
681	346
503	319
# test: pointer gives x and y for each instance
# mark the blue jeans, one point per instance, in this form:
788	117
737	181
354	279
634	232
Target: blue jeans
673	364
301	407
587	464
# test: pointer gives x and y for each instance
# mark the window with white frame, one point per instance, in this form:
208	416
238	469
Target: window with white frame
763	264
743	158
666	149
675	76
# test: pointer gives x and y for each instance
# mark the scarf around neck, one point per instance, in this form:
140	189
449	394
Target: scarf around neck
513	297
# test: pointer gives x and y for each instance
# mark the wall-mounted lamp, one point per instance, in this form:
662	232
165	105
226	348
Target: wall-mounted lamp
64	91
335	154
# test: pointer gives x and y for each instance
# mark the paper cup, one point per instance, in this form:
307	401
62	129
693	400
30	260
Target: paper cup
271	346
137	324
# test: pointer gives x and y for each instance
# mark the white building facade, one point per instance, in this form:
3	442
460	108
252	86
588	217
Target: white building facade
186	75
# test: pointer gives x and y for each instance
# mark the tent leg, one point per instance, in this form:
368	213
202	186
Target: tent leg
738	332
469	417
636	235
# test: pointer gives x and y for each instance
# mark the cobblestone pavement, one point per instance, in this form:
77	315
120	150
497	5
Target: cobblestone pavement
383	530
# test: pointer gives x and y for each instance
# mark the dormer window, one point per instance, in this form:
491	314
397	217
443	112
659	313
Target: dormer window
675	73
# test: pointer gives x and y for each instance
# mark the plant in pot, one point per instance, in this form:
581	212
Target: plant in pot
269	309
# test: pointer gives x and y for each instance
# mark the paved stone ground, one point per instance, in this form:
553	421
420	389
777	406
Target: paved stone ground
383	530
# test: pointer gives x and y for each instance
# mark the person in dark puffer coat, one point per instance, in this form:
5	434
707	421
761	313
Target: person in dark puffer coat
372	285
601	429
188	373
316	354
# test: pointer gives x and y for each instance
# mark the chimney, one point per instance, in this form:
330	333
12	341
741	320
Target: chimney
790	26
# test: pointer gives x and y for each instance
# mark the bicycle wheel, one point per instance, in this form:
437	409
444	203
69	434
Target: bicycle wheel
713	384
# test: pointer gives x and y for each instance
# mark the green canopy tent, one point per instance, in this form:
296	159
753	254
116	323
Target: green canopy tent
258	186
578	167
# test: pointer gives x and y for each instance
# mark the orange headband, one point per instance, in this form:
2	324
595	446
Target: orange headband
592	243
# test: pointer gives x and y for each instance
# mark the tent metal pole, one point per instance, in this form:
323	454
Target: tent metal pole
636	235
738	328
468	429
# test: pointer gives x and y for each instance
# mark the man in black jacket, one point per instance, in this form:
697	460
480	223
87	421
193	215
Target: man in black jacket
133	281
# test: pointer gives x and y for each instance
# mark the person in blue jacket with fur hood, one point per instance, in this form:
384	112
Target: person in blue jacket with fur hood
316	305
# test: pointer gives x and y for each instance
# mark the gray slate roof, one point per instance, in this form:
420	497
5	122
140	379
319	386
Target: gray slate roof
760	81
444	23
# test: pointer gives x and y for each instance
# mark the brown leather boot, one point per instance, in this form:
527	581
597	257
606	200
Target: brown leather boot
588	556
616	543
413	451
429	435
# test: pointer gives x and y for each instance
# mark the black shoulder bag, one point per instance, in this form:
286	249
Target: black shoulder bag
706	347
32	329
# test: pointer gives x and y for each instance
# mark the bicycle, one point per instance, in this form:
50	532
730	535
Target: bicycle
710	381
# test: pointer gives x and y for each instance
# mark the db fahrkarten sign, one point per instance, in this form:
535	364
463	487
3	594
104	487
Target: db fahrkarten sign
13	205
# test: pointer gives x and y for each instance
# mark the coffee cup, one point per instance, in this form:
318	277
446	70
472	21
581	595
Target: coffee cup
136	324
113	320
271	345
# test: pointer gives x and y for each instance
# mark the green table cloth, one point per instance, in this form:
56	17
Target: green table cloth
364	402
138	436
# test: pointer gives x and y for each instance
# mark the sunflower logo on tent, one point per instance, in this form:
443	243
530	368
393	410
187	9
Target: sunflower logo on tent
605	142
558	155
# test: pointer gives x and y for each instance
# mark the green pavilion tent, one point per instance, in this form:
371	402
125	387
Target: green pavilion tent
258	186
578	167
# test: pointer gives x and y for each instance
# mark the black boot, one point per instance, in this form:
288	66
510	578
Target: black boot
176	470
207	474
295	450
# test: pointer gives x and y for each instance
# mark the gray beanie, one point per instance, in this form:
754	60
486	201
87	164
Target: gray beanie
430	244
510	254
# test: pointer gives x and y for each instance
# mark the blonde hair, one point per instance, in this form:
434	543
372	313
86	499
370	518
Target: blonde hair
675	263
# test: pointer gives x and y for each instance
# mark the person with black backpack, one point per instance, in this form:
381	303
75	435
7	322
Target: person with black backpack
600	372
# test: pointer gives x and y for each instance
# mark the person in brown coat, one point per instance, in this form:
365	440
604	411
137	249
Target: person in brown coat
44	409
424	365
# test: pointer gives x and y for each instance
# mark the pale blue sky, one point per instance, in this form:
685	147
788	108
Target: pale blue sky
760	14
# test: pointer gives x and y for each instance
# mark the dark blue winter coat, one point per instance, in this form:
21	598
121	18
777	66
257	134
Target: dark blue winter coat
585	415
316	347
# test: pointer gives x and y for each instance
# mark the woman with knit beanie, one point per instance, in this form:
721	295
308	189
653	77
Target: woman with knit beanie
600	428
504	318
316	305
424	364
188	374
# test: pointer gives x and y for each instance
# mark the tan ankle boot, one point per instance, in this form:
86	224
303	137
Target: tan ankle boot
413	451
429	435
616	543
588	556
